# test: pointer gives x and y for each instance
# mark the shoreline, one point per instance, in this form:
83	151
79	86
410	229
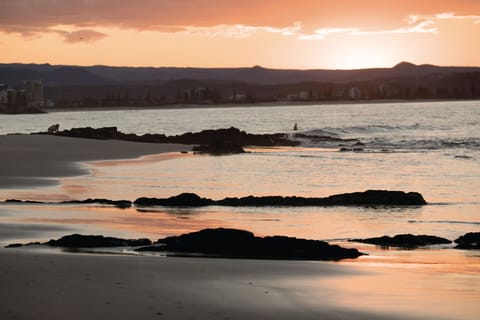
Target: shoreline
248	105
59	157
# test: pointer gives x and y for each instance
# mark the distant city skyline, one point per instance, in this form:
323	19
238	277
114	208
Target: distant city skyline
302	34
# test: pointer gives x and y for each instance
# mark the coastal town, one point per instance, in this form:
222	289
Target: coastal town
23	89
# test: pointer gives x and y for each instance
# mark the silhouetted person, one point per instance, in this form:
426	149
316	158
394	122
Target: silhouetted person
295	127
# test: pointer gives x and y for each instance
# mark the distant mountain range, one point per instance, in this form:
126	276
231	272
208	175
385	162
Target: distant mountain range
60	75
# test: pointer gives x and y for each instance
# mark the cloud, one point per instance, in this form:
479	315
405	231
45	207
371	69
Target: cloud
452	15
240	30
84	35
304	19
321	34
163	15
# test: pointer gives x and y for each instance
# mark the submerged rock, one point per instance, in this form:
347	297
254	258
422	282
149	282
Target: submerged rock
404	241
469	240
89	241
233	243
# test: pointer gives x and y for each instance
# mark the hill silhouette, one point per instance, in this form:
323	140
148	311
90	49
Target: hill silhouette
52	75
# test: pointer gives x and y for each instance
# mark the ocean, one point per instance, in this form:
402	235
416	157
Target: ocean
428	147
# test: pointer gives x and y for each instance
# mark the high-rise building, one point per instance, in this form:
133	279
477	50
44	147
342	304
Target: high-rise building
33	92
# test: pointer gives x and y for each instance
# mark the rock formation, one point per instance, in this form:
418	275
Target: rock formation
233	243
367	198
469	240
404	241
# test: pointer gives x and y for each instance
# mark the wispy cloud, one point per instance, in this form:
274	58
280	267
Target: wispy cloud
420	27
452	15
240	30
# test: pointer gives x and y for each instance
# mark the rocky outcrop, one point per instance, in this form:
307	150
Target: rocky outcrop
218	142
231	136
233	243
408	241
88	241
367	198
469	240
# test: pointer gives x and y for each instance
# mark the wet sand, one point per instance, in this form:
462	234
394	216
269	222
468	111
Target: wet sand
39	285
38	160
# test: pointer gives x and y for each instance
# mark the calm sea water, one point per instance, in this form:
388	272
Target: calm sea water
432	148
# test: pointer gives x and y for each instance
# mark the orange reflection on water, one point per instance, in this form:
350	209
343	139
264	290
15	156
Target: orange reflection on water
122	222
410	290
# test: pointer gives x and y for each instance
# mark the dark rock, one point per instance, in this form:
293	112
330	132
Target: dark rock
405	241
88	241
377	197
117	203
182	200
17	245
232	243
231	136
219	148
22	201
367	198
469	240
14	245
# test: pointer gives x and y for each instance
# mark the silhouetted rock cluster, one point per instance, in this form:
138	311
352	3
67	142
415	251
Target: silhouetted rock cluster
229	140
233	243
405	241
218	142
87	241
470	240
367	198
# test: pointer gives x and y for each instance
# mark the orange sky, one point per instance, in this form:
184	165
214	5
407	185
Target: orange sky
305	34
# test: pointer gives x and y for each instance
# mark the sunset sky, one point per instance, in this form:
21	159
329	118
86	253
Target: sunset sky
300	34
